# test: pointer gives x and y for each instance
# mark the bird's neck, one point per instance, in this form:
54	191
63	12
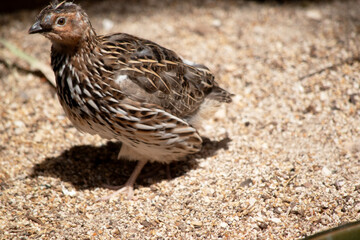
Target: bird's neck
72	60
86	43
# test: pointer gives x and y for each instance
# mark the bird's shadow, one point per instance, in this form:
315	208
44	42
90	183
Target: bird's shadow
88	167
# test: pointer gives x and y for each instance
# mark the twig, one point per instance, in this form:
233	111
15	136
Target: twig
34	219
292	178
35	65
20	230
349	60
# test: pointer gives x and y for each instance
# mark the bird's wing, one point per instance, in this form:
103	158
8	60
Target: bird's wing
169	136
147	72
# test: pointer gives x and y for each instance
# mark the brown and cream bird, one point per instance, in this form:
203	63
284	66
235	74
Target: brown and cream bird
127	88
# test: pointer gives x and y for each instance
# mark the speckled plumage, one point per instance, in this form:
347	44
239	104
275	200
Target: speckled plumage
127	88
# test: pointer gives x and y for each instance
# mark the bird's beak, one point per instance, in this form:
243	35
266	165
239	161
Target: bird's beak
36	28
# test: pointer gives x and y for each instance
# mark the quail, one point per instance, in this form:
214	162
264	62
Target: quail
127	88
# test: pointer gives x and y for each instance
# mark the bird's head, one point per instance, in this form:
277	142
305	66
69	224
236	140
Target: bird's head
63	23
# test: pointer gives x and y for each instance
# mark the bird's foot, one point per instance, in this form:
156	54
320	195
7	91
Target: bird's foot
127	190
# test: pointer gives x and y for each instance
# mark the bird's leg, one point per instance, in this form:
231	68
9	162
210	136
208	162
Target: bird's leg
128	187
168	172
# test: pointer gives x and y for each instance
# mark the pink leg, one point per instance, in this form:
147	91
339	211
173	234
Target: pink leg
128	187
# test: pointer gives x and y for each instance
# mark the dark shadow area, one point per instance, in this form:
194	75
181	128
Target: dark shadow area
16	5
87	167
293	2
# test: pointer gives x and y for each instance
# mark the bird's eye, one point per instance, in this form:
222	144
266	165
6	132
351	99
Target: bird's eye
61	21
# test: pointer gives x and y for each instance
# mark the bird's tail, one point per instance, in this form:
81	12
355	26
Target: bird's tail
220	95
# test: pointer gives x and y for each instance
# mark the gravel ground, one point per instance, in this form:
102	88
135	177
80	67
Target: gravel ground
281	162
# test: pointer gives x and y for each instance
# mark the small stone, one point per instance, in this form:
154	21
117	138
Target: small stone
323	96
18	131
216	23
252	201
355	147
325	220
324	205
276	220
38	137
247	183
265	196
297	211
181	226
153	188
224	225
196	223
353	98
66	192
310	109
307	184
326	171
338	184
277	210
24	97
19	124
357	207
146	223
262	225
314	14
115	232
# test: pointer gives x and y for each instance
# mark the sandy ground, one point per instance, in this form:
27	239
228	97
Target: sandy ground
281	162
